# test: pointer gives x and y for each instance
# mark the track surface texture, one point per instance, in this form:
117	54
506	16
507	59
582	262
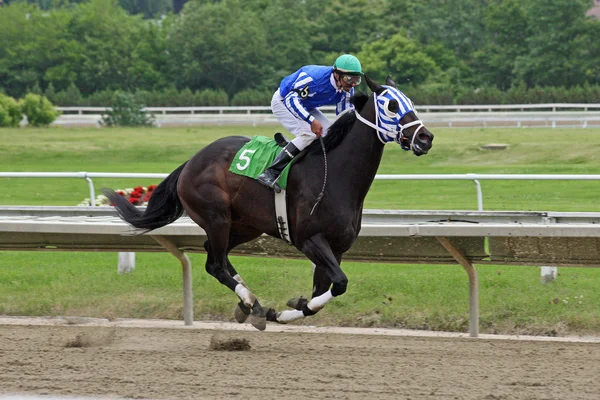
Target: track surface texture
153	360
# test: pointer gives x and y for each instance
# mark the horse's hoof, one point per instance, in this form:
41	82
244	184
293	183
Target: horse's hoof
259	323
258	317
297	303
241	312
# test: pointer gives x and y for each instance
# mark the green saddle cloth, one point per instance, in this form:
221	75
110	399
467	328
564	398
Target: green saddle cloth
256	156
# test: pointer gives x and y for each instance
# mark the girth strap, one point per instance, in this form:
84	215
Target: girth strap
281	216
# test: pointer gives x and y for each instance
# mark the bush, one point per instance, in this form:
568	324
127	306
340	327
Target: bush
252	97
431	94
127	111
484	95
211	97
71	97
516	94
39	110
99	99
10	112
50	94
186	98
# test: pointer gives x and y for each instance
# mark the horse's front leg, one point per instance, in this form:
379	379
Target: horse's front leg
329	281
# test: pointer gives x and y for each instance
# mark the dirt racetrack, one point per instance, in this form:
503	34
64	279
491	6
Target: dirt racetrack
115	361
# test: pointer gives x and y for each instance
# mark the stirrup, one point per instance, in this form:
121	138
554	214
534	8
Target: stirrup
263	179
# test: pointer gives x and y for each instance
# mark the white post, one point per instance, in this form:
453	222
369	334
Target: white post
549	274
126	262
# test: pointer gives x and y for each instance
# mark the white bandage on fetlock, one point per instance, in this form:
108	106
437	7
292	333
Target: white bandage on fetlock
289	316
245	295
316	303
239	279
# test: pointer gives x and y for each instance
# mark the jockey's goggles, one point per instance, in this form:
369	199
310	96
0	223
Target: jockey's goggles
351	79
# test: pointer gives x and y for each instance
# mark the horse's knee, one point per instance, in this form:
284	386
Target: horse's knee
339	287
210	268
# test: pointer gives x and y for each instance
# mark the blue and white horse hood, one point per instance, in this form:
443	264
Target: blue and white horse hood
391	106
389	119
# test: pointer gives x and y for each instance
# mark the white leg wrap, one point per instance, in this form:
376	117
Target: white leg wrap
289	315
316	303
245	295
239	279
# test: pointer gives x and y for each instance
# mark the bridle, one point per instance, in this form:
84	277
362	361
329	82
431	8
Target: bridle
387	136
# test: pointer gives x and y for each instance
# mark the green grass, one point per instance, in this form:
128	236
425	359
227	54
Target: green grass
532	151
512	300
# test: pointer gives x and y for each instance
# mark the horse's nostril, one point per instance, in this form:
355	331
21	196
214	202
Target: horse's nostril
425	138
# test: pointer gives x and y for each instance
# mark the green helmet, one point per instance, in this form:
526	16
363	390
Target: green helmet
348	64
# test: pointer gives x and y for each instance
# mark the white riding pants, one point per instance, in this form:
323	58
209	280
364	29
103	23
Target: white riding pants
298	128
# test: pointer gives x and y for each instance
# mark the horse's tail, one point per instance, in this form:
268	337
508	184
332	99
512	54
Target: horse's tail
164	206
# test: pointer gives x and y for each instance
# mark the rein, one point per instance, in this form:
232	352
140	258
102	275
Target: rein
320	196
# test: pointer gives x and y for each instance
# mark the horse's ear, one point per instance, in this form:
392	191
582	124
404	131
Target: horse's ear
374	86
390	82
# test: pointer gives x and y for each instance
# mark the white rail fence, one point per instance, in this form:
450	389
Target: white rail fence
430	237
522	238
553	107
553	115
88	176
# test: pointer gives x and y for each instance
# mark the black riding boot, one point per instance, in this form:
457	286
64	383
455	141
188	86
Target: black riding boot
271	175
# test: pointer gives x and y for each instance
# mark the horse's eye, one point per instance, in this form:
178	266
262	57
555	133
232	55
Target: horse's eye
393	107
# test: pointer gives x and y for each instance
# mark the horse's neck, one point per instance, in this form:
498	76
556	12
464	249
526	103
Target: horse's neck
357	162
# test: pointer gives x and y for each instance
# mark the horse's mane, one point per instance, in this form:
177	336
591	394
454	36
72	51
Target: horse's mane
337	131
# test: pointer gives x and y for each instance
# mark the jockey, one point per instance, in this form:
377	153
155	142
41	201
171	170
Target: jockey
296	102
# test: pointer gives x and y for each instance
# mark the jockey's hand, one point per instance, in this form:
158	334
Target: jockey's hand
316	128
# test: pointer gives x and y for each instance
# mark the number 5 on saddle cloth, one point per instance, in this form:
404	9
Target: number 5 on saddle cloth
255	156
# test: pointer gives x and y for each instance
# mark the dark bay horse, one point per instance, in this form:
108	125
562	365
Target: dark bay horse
233	209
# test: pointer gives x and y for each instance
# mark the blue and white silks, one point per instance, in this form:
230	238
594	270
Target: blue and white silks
310	87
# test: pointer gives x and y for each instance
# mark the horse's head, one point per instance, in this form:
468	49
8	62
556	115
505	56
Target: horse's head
396	119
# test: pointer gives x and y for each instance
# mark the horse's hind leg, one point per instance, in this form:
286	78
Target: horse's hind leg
249	307
243	312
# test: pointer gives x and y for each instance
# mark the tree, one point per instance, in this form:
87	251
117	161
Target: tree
399	56
218	45
117	50
178	5
458	24
148	8
553	57
34	48
506	29
284	20
341	26
588	47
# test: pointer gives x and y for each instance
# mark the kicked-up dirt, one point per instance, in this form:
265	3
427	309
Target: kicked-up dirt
194	363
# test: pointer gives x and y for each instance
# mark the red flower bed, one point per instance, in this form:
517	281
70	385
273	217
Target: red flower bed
139	195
